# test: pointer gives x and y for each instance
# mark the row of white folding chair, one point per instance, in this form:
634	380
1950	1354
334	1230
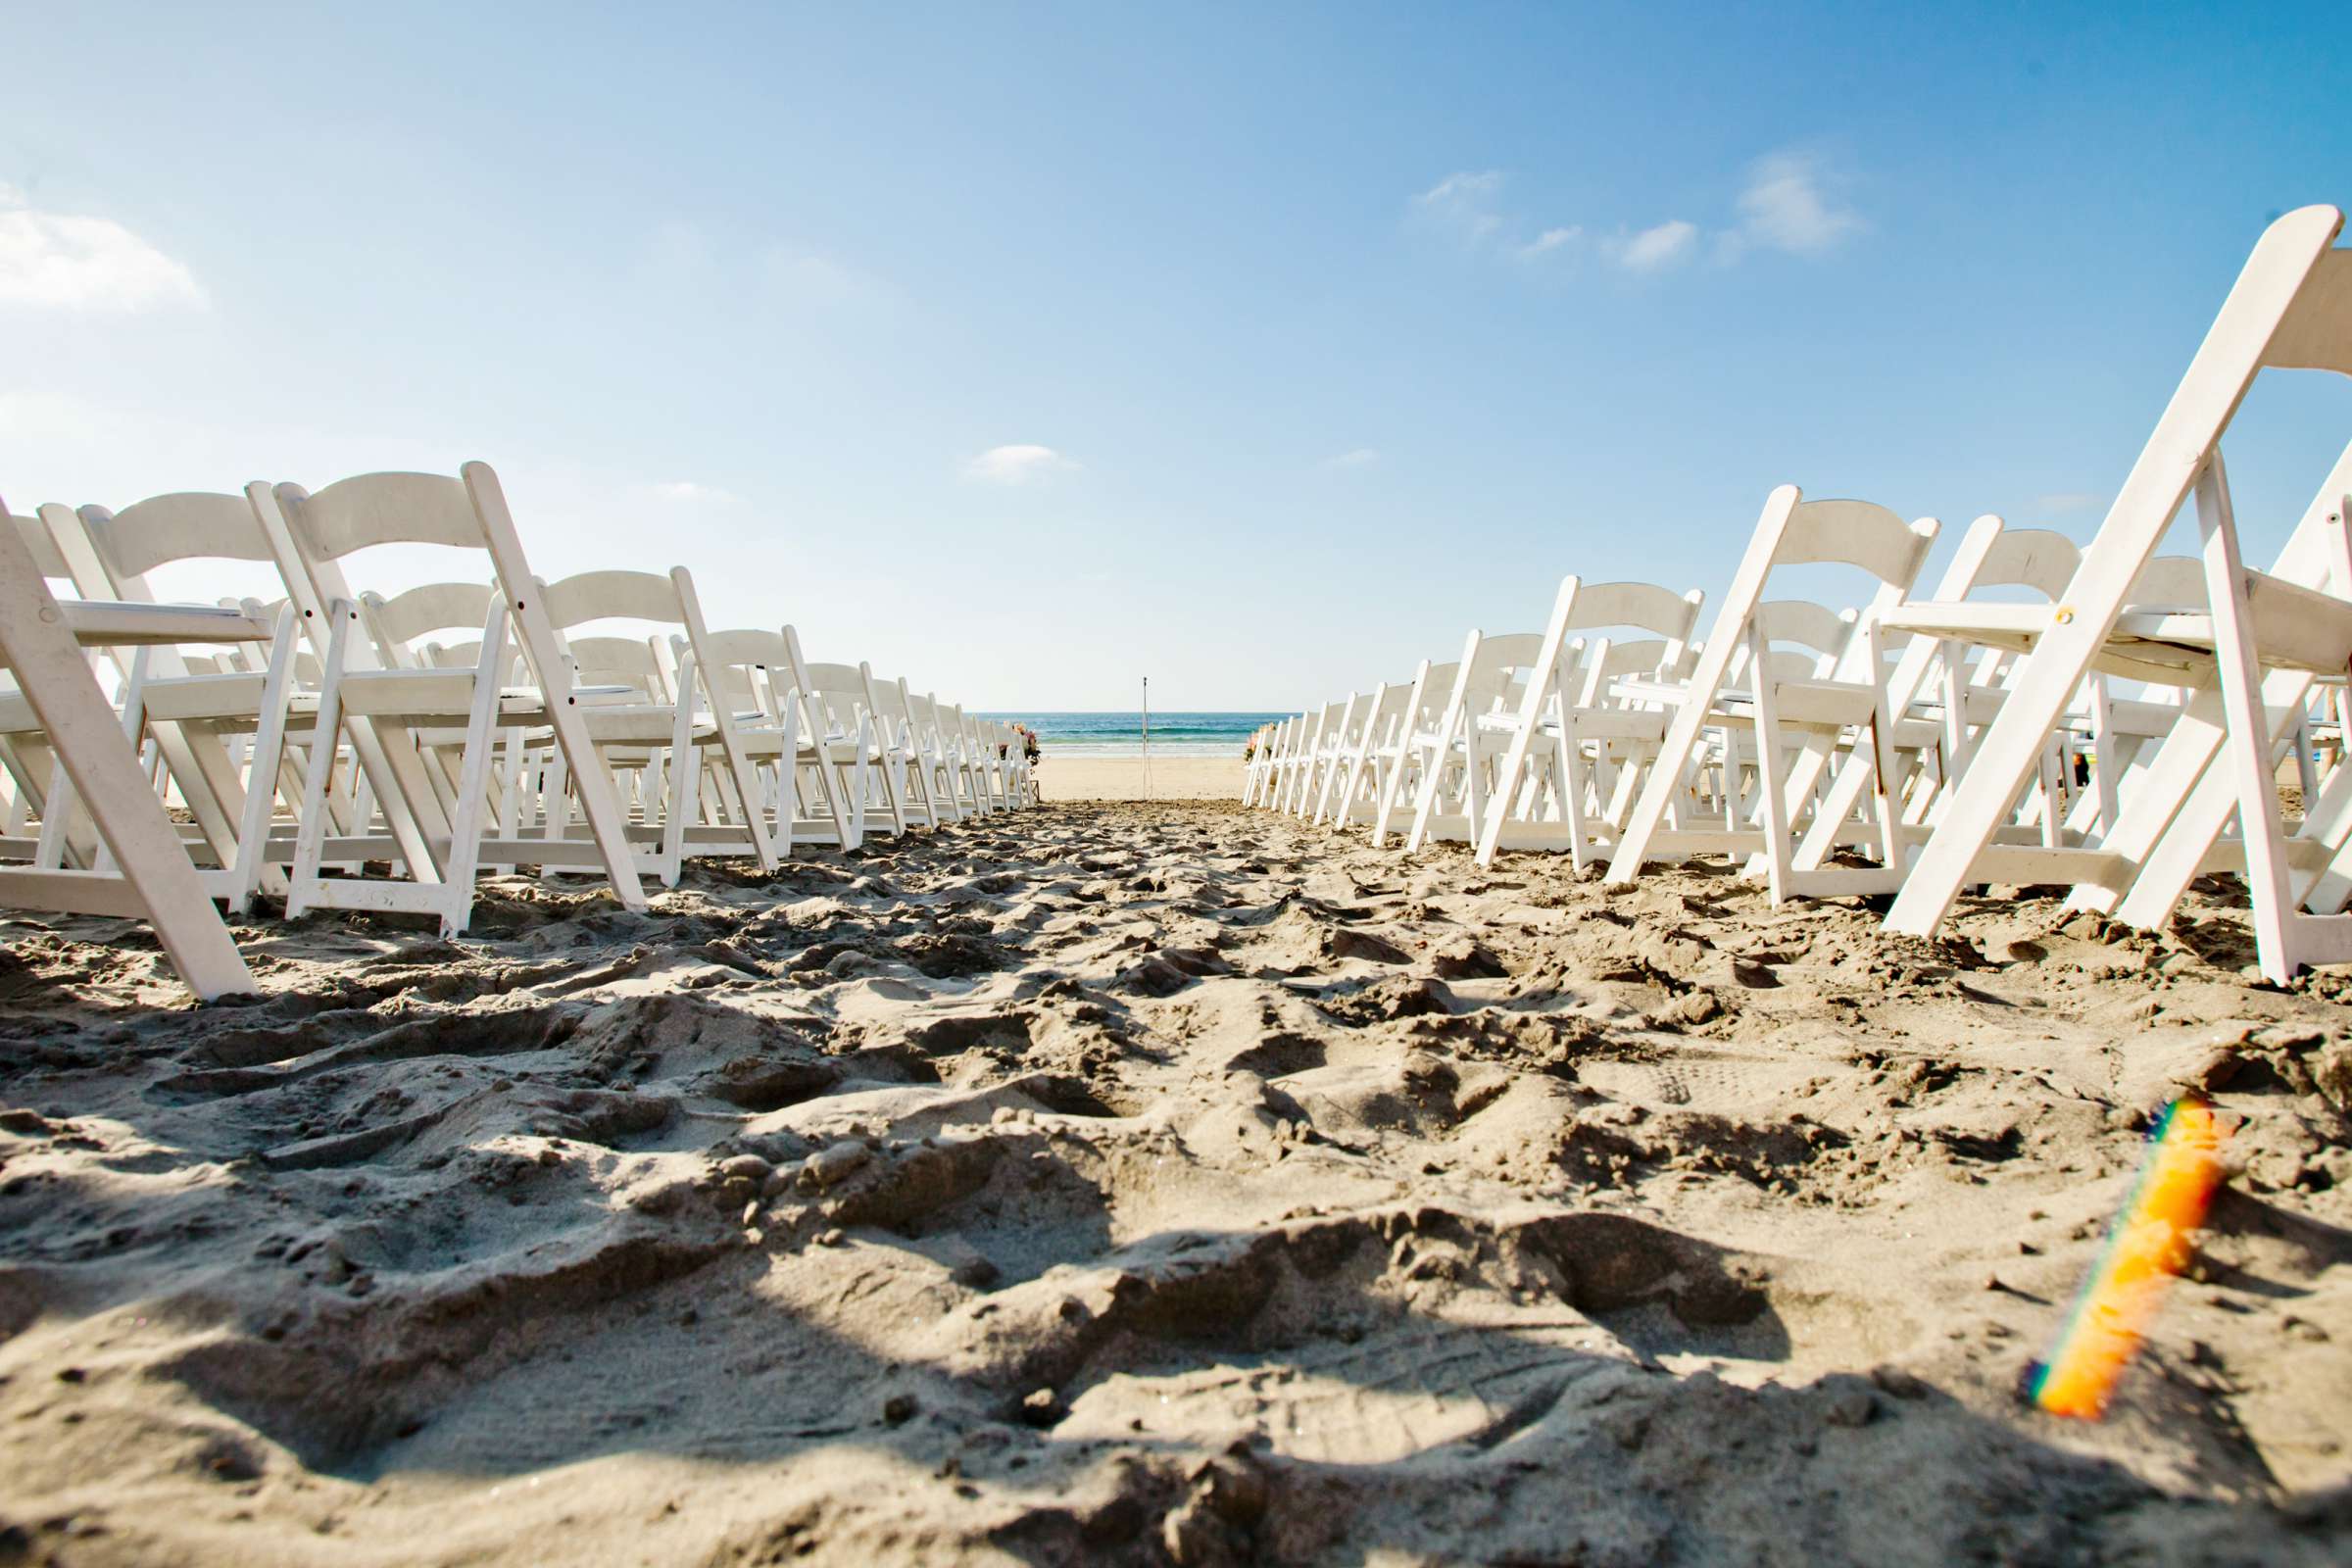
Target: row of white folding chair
733	743
643	709
433	713
1798	711
1951	766
1495	766
866	753
1924	731
1311	765
1884	725
1617	697
1471	745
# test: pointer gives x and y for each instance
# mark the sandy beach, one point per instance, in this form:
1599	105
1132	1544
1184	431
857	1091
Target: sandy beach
1151	1183
1064	778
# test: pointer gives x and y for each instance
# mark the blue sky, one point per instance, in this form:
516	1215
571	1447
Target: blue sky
1030	350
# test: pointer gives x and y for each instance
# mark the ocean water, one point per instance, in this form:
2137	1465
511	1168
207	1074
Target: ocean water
1122	734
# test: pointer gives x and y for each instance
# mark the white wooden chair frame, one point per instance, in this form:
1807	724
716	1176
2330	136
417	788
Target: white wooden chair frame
1789	532
2266	635
314	533
1559	712
150	876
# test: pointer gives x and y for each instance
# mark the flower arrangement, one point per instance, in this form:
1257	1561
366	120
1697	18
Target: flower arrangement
1026	739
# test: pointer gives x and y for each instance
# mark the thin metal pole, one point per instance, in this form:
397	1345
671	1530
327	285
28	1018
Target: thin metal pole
1147	737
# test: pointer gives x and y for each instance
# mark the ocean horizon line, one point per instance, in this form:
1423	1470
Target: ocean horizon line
1120	732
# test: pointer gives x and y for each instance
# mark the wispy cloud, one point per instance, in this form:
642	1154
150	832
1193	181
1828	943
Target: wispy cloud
1362	456
2070	501
60	261
691	491
1659	246
1469	207
1463	204
1788	204
1784	207
1015	464
1551	239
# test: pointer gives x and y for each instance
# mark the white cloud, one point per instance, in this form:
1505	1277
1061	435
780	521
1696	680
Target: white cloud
688	490
1551	239
1660	246
1015	464
1783	208
1469	207
1788	204
67	261
1463	186
1362	456
1465	204
2070	501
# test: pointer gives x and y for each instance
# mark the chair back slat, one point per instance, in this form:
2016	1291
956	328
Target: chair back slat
385	509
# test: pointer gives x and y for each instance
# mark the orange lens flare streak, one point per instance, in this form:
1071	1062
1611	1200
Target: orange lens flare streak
2151	1243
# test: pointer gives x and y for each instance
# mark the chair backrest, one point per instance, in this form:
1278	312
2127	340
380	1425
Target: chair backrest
647	601
109	554
1794	531
1605	660
923	711
833	696
34	534
840	689
1637	606
406	624
593	596
1820	632
2028	558
1392	706
1855	533
2171	581
312	533
1437	690
383	508
743	666
947	722
1491	668
890	701
645	664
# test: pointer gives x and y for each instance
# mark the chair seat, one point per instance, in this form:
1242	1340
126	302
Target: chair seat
2295	628
109	624
1619	724
640	724
1831	702
196	699
433	694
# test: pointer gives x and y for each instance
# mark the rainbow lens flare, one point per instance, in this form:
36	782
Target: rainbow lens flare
2150	1244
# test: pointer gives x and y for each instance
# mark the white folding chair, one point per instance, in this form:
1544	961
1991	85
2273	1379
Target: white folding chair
314	533
1570	702
2249	658
145	872
1790	532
